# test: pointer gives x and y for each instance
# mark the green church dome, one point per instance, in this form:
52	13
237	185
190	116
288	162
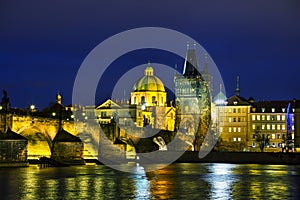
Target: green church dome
149	82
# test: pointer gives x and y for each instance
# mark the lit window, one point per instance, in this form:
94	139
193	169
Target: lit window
253	126
278	117
273	126
273	109
258	117
239	139
268	126
239	129
229	129
263	109
229	119
234	129
230	110
273	144
293	127
283	126
278	136
268	117
253	117
278	126
234	139
273	136
263	127
283	109
253	144
283	117
221	129
263	117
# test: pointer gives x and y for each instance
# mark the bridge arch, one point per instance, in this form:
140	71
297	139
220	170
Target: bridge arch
39	141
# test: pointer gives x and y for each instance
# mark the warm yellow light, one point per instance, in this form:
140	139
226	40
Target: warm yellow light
32	107
53	114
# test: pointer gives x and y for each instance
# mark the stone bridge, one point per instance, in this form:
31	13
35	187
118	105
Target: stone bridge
41	131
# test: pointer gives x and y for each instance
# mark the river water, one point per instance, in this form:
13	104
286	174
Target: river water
176	181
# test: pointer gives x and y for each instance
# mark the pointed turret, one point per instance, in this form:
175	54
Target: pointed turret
191	66
237	90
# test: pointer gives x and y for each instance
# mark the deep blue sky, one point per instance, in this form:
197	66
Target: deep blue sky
43	43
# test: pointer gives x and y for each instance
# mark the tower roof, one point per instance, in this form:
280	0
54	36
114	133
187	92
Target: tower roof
191	66
220	98
64	136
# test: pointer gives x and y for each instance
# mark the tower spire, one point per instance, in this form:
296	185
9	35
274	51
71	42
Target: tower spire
237	90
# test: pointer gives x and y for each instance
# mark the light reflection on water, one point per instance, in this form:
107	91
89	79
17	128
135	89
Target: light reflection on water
176	181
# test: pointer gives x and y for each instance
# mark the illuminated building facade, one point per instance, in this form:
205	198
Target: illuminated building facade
148	106
274	121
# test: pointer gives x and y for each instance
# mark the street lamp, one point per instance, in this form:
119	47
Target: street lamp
32	107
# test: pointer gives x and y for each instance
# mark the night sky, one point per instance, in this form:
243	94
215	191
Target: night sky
43	43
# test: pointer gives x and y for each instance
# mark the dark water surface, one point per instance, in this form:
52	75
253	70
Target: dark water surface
176	181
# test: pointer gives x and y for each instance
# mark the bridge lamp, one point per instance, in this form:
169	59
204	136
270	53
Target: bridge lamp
53	114
72	116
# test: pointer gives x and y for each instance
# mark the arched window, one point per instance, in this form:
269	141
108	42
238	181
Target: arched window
143	100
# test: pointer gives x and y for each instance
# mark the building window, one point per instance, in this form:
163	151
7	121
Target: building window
253	144
244	110
153	99
278	126
221	129
263	109
253	126
239	139
278	136
283	117
230	120
253	136
273	144
234	119
273	126
283	127
273	136
263	117
234	110
142	100
239	110
268	117
134	100
278	117
273	109
263	127
293	127
283	109
234	139
239	129
239	119
229	129
279	145
234	129
258	117
253	117
229	110
268	126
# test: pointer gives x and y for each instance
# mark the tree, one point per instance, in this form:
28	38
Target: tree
261	139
